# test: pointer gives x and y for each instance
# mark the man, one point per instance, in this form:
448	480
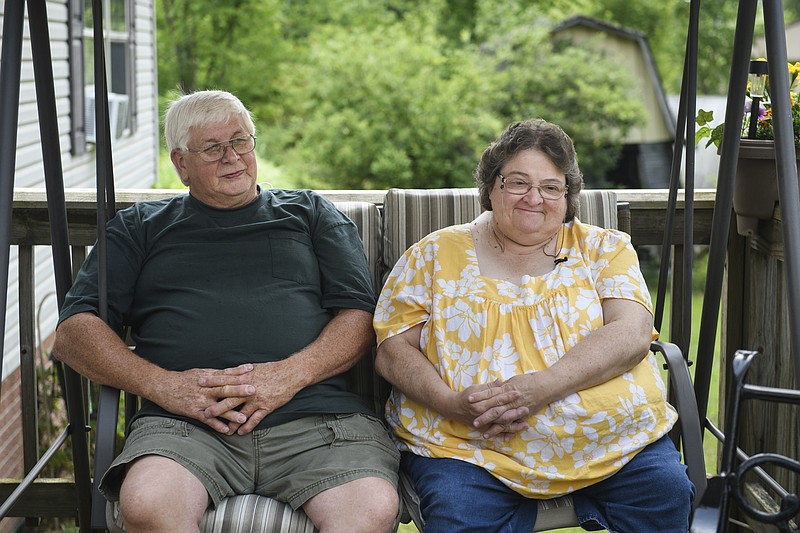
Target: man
246	306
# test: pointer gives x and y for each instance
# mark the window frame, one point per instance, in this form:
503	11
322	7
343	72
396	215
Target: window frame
80	37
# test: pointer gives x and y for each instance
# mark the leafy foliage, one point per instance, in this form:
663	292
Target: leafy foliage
382	107
405	93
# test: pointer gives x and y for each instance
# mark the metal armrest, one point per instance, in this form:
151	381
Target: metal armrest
106	444
105	449
680	382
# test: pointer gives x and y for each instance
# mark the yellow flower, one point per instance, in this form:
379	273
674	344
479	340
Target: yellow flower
765	127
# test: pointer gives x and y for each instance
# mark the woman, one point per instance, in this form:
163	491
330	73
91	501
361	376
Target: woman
518	349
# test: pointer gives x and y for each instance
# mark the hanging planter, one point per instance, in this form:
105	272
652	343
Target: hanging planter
755	191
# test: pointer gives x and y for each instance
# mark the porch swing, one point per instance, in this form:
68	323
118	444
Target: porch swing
256	513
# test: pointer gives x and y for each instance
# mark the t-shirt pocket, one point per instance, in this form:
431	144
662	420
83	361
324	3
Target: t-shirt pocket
293	258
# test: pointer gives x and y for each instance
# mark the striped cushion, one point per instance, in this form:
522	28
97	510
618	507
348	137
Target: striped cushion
255	514
599	208
410	214
555	513
247	513
363	378
367	217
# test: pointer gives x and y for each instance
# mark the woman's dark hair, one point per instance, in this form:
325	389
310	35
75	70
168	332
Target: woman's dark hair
533	134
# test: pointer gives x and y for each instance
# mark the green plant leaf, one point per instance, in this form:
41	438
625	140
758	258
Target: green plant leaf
704	117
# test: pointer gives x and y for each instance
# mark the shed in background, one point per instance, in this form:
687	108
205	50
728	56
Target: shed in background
647	152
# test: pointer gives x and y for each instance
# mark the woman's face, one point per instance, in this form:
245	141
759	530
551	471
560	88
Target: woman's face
529	219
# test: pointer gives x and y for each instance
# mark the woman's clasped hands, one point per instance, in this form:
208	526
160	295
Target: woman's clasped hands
497	409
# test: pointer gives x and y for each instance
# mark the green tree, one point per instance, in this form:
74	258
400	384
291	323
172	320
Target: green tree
379	93
570	84
206	44
382	107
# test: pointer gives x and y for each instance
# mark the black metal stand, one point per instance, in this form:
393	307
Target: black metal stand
789	193
10	77
684	139
711	515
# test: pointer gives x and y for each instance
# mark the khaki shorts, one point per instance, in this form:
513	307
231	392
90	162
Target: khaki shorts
292	462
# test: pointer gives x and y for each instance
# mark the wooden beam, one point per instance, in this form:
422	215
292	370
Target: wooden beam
30	222
649	214
45	498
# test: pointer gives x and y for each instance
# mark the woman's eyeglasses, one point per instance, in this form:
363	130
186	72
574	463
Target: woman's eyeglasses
548	191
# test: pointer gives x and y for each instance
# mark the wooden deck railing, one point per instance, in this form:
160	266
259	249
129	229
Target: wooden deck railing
30	227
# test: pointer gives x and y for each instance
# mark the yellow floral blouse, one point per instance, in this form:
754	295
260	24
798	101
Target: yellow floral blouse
479	329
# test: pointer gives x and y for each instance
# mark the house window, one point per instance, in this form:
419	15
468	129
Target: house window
118	40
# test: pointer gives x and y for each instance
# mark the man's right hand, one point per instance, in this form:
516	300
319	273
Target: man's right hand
185	394
91	348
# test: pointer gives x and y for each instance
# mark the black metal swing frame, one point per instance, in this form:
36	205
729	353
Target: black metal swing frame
712	513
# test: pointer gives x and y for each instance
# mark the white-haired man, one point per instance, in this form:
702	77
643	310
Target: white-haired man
246	306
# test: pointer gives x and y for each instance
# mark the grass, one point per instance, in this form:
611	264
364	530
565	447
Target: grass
709	442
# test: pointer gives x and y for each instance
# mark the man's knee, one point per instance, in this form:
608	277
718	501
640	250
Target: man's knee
385	499
367	504
157	494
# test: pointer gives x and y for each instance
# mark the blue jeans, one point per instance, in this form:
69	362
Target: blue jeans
650	494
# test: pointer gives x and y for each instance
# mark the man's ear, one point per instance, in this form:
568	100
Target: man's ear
179	161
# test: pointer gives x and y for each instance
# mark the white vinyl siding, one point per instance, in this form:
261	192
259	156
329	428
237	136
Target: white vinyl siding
135	156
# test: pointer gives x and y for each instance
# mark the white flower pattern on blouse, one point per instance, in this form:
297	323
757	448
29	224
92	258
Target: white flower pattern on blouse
477	330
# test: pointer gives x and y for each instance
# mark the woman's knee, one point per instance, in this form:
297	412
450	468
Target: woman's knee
449	491
670	479
651	493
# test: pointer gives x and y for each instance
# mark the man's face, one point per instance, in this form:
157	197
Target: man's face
227	183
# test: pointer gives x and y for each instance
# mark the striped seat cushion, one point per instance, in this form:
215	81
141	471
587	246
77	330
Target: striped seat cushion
363	379
247	513
410	214
367	218
599	208
255	514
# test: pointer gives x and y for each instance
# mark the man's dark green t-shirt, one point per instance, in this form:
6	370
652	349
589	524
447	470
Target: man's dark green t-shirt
214	288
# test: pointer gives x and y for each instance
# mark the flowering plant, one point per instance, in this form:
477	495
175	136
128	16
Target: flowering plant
764	127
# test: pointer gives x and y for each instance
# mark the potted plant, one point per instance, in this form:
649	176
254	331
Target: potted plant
756	187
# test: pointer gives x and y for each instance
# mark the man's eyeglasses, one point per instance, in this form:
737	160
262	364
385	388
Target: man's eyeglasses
548	191
215	152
